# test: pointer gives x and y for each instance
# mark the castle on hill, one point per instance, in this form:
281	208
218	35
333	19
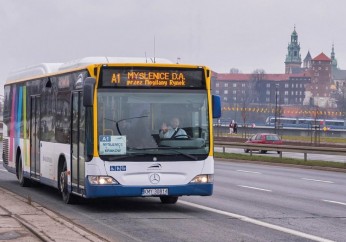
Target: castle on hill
312	83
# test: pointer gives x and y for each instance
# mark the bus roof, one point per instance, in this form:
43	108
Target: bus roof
103	59
47	68
31	71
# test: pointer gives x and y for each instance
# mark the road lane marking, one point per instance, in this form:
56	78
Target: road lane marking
2	170
258	222
254	172
315	180
255	188
330	201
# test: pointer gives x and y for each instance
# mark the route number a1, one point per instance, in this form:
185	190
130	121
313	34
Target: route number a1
116	78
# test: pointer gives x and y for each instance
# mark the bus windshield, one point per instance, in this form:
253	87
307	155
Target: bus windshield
141	125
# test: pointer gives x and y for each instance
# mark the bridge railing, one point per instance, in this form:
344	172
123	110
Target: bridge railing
221	131
282	148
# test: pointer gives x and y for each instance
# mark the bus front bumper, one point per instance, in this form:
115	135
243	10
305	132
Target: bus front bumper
98	191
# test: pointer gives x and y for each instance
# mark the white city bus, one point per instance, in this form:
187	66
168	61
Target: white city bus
90	128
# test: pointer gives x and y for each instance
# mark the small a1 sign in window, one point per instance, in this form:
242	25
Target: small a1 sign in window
112	145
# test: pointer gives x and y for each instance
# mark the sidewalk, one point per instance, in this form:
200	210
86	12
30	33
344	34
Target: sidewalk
23	220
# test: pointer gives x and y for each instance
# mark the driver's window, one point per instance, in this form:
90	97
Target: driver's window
107	113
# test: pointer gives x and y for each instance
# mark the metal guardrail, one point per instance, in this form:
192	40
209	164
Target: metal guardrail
283	148
220	131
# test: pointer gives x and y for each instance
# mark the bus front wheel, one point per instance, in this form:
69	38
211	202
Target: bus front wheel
169	200
67	197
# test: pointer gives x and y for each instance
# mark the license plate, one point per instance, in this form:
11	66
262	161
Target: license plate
155	192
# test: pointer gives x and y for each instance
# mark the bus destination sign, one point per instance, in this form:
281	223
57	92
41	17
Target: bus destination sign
149	77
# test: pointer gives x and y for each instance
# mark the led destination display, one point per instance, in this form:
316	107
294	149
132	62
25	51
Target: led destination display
149	77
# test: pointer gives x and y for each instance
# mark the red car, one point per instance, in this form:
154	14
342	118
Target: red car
264	138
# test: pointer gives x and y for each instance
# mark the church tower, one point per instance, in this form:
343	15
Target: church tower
293	59
307	61
334	61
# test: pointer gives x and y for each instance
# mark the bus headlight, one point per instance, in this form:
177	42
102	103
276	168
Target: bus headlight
102	180
203	179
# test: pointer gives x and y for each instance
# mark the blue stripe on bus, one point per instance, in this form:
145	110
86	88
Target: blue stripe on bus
94	191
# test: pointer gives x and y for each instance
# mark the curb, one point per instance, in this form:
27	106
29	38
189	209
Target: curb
45	224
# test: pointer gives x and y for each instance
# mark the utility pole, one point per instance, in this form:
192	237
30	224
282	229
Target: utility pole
276	108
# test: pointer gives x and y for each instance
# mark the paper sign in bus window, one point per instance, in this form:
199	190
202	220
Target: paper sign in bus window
112	145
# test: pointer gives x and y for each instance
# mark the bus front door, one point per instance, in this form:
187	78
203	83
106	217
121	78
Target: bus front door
35	124
77	143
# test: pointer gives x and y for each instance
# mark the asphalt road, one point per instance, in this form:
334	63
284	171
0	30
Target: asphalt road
251	202
333	158
305	200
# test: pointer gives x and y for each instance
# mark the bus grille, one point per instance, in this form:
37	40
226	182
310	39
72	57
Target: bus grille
5	148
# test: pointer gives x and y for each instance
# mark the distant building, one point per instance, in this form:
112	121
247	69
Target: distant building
338	75
339	84
260	88
1	108
318	92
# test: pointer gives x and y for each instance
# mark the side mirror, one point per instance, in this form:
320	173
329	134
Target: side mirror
216	100
88	91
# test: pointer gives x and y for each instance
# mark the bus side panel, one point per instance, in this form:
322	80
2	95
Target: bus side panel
23	146
15	129
49	158
8	163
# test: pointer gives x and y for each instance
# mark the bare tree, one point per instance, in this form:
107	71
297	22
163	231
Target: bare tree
256	76
244	115
234	71
259	71
340	97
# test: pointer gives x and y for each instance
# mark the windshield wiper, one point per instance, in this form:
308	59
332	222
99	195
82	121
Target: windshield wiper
180	147
121	120
192	157
114	158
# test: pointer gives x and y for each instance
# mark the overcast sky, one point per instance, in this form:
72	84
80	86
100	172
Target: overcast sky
223	34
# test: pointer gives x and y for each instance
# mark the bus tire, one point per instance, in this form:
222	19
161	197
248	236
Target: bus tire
23	181
67	197
169	199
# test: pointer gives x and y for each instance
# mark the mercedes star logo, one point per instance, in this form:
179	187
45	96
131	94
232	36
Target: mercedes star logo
154	178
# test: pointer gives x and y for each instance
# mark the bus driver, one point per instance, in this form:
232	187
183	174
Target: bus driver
173	131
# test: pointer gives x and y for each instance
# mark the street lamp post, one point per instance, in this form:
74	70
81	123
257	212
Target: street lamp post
343	101
276	108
